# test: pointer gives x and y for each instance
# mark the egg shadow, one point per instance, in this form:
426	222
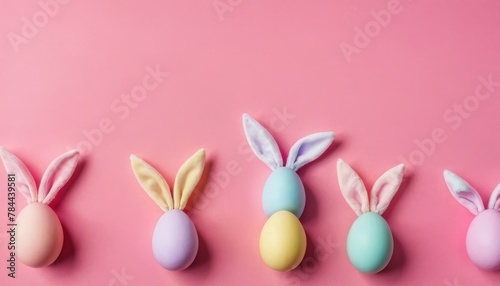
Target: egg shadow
309	258
68	251
201	264
490	276
398	259
311	208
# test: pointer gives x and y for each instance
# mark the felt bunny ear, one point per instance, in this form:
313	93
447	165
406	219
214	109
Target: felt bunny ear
57	175
262	143
385	188
24	180
495	199
308	149
152	182
463	192
187	178
352	188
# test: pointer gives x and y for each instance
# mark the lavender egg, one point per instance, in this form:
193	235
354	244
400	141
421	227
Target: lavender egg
175	240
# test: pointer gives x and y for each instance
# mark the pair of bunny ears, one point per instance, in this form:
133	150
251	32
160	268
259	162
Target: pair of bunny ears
355	193
157	188
468	196
55	177
266	149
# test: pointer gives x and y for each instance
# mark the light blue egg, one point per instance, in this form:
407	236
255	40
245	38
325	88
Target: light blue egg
283	191
370	243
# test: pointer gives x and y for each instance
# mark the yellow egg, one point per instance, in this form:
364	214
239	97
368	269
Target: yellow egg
283	241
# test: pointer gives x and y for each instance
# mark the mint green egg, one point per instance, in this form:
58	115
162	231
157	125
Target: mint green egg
370	243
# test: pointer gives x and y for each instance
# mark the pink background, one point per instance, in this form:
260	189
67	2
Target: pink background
266	58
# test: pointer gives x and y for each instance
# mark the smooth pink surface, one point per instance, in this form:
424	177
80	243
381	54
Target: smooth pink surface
265	58
482	240
40	235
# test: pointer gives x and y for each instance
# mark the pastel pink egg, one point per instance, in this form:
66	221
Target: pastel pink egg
39	235
483	240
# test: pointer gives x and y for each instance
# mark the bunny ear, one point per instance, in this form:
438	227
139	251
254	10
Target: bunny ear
495	199
463	192
262	143
24	180
352	188
152	182
308	149
385	188
57	175
187	178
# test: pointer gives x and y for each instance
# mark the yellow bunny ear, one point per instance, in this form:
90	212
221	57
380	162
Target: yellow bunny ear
152	182
187	178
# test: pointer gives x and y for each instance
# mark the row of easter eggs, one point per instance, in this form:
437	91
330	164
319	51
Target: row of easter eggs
283	241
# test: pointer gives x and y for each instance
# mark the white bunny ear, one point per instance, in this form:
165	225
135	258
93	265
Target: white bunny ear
385	188
495	199
308	149
262	143
24	181
463	192
352	188
57	175
187	178
152	182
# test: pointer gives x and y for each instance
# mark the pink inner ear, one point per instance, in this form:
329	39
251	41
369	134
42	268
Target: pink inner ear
352	188
385	188
57	175
24	181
